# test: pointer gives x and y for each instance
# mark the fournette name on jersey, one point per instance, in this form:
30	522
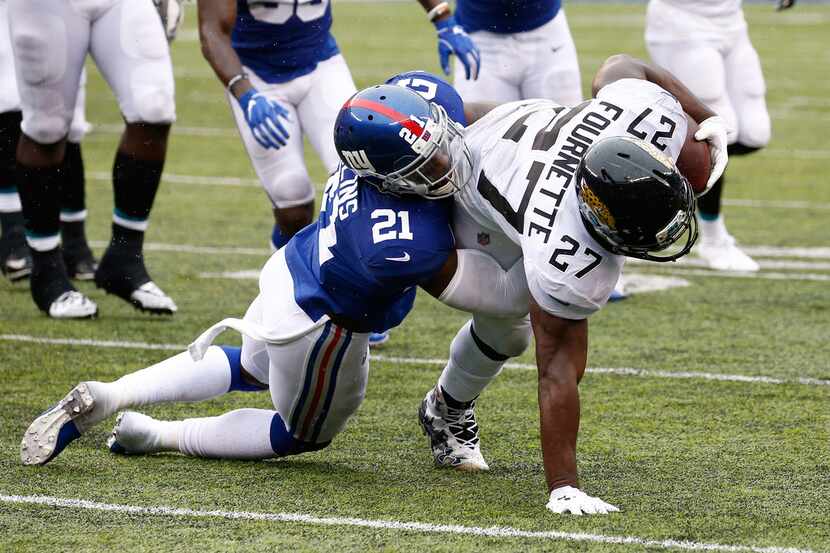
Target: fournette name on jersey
367	252
281	40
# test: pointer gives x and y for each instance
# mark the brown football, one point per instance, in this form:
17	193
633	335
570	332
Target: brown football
694	162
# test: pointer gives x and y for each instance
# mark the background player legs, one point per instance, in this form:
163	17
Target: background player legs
140	73
15	260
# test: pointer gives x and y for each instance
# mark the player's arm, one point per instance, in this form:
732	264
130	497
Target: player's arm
452	40
474	111
216	21
712	128
472	281
561	356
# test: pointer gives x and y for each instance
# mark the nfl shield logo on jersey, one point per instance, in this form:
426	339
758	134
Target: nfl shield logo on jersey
483	239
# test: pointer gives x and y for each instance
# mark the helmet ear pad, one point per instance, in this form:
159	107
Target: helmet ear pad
633	198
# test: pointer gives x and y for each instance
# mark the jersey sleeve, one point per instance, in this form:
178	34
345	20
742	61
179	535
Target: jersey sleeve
411	243
663	121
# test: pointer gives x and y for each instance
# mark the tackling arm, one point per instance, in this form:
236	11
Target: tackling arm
216	22
473	281
623	66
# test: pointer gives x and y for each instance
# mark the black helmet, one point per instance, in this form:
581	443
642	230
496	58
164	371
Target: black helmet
633	200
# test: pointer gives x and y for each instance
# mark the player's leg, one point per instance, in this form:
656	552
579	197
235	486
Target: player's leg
317	382
80	263
178	378
499	75
282	171
747	89
477	354
50	41
15	260
130	48
554	71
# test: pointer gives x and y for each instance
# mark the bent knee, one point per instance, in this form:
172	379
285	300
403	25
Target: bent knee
46	128
152	92
290	189
508	337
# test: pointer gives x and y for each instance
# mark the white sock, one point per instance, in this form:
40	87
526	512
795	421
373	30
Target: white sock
178	378
240	434
713	230
468	370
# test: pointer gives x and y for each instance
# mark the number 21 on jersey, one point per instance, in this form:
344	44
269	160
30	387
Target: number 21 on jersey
387	226
279	11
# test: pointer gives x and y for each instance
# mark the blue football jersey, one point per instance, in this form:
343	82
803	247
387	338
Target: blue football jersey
505	16
281	40
367	252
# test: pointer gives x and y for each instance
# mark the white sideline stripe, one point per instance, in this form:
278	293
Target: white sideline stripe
110	128
186	179
237	181
687	262
757	251
619	371
680	271
394	525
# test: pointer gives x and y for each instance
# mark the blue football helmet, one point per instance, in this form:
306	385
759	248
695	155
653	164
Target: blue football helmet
402	142
434	89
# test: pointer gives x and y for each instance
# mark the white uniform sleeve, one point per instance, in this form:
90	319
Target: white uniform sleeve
481	285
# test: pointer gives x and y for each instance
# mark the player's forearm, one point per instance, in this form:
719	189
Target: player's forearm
216	22
561	355
622	66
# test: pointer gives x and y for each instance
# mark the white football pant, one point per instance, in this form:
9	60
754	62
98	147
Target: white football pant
716	61
51	38
317	381
541	63
312	102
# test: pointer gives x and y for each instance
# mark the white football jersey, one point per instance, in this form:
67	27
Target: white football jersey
708	8
525	154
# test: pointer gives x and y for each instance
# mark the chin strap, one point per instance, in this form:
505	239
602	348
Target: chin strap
253	330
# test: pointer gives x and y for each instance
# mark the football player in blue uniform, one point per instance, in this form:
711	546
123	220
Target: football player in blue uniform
526	49
305	335
284	77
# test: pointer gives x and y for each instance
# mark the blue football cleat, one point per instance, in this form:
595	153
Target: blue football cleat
55	429
378	339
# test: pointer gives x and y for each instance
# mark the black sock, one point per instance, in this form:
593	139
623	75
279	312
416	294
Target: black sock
709	203
10	222
9	135
49	279
454	403
135	182
127	241
73	199
39	190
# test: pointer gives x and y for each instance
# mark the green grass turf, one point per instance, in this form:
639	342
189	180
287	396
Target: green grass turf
707	461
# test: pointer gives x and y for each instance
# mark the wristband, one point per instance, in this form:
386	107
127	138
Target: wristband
235	79
438	11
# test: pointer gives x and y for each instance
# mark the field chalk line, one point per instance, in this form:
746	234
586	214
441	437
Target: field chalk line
618	371
395	525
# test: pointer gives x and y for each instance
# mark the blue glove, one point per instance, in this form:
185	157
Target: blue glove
263	116
453	40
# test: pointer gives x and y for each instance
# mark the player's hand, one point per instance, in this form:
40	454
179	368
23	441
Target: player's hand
784	4
568	499
713	131
263	116
453	40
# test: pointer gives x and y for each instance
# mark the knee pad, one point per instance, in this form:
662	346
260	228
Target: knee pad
289	189
508	337
754	124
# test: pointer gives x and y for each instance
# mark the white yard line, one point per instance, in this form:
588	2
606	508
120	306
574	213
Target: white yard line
392	525
618	371
174	178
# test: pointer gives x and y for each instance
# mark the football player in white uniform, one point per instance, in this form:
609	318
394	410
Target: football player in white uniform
51	39
15	260
570	192
705	43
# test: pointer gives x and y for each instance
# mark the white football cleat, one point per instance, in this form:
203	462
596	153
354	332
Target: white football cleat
134	433
55	429
149	297
453	433
73	305
724	255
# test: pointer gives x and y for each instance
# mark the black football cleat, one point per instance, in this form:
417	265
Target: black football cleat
124	275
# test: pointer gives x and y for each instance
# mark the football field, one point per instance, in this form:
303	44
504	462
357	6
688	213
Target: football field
705	409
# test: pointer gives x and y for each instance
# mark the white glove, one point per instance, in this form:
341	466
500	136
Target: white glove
568	499
713	131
